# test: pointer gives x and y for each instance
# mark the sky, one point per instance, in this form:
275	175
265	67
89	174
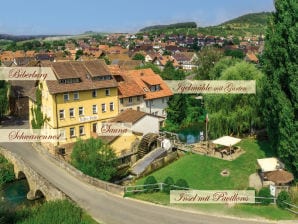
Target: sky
23	17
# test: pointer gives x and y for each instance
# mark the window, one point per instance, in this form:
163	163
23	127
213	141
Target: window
147	103
66	96
71	112
76	95
94	128
103	107
121	100
112	106
107	92
62	133
130	99
72	132
138	98
61	114
94	93
155	88
82	130
163	100
94	109
81	111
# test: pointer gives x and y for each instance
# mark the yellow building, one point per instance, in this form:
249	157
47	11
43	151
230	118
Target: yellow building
84	94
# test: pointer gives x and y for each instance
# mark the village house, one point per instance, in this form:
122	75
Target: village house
125	145
84	94
156	91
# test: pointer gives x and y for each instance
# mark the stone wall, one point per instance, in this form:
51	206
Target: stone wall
161	162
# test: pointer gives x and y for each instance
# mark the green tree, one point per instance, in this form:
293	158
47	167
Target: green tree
3	98
207	58
139	56
235	113
94	158
79	53
221	65
280	98
235	53
154	67
170	73
38	118
175	113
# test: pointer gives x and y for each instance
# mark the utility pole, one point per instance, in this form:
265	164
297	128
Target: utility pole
207	119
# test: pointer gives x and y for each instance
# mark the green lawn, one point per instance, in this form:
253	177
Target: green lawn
241	210
203	172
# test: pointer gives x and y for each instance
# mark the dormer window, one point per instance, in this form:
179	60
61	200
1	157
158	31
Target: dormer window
155	88
69	81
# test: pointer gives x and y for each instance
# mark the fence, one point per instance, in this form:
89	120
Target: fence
292	207
259	199
160	187
152	187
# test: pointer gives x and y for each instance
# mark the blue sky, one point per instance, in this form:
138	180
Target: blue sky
74	17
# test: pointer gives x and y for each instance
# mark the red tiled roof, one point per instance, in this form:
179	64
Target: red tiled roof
129	88
129	116
139	75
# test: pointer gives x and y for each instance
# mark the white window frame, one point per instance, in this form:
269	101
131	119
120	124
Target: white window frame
112	106
74	132
66	97
81	114
81	130
76	95
103	108
61	112
130	99
71	110
62	133
94	109
94	124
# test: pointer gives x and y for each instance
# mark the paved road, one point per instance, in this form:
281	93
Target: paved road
108	208
105	207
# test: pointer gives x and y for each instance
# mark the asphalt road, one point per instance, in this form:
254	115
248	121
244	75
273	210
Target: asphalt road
107	208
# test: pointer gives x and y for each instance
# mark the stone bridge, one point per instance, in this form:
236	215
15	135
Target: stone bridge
39	186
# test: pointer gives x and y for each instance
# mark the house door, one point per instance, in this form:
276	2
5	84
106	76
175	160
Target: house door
94	128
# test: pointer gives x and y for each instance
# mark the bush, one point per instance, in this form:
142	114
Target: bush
6	171
56	212
265	193
94	158
182	184
167	187
151	181
282	197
